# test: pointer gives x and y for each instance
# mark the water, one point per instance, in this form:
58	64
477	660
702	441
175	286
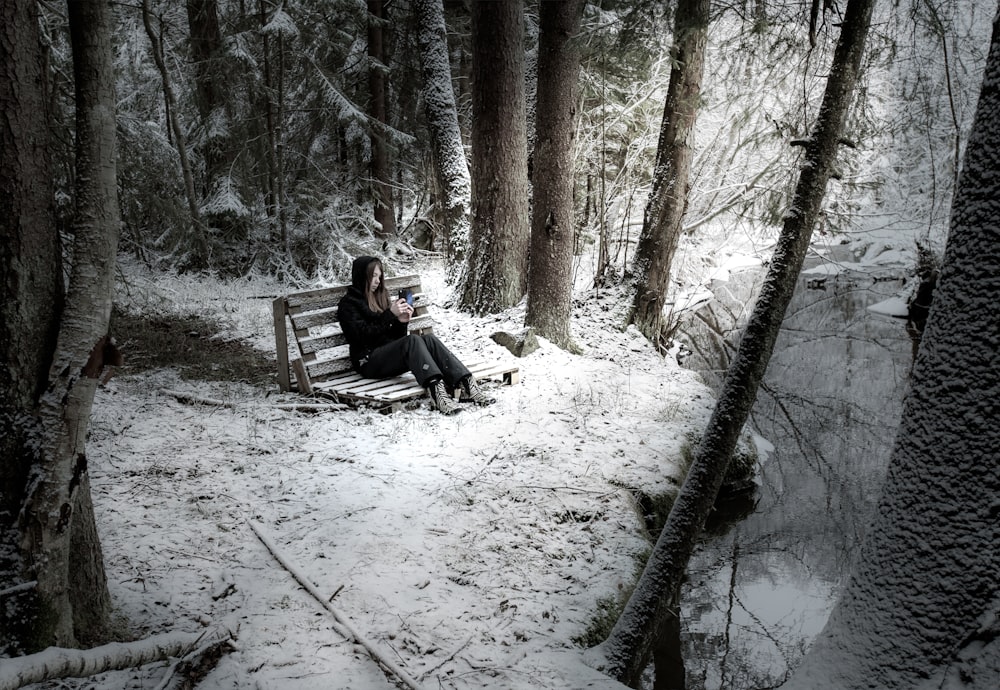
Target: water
760	588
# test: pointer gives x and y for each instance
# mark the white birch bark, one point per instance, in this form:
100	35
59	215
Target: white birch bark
58	492
57	662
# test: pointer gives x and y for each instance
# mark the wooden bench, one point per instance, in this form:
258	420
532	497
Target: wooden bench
322	365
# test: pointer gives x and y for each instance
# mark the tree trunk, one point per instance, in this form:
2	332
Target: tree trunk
553	227
57	507
917	609
385	217
199	241
29	244
497	268
627	648
206	55
270	126
279	147
661	226
450	164
215	140
31	282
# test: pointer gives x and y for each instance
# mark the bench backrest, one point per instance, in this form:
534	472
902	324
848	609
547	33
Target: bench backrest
322	348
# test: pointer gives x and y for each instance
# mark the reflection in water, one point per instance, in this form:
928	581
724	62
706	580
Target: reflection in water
760	589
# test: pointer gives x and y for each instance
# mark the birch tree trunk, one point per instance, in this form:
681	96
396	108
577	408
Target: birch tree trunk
450	164
626	651
917	610
497	268
661	226
553	227
72	589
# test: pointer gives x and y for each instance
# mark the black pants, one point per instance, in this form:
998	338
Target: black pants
424	355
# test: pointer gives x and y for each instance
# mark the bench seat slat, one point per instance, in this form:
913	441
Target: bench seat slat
327	342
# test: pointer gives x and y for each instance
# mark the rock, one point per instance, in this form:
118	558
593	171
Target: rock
519	345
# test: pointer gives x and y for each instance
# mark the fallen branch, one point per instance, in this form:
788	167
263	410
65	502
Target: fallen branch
289	407
17	589
343	626
192	398
57	662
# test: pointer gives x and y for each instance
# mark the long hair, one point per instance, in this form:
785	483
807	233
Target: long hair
377	301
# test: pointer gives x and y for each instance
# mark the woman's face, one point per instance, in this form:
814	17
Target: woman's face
376	280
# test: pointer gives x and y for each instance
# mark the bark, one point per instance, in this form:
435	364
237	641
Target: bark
30	275
199	240
450	164
31	298
496	271
385	217
553	227
623	655
206	56
661	227
269	122
57	507
916	611
279	144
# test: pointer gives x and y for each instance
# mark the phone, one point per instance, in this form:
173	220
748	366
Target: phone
407	295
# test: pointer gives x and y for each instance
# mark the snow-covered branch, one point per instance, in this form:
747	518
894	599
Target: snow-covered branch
57	662
344	626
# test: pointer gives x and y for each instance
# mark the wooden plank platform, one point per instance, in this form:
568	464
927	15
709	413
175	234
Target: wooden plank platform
322	365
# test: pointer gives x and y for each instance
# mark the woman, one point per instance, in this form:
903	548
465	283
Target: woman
375	327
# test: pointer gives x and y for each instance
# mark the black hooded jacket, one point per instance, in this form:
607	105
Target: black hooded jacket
365	329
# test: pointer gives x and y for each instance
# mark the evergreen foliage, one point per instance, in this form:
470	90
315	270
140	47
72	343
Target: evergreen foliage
293	79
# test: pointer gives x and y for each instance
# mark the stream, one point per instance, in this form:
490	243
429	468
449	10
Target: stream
763	580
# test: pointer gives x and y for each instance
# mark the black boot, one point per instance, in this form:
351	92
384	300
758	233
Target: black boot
442	402
471	392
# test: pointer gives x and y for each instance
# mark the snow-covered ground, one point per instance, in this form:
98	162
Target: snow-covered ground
472	550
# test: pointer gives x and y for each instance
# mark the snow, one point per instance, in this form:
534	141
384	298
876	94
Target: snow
735	262
895	306
280	24
472	549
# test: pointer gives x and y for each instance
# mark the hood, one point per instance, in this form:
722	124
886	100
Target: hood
359	273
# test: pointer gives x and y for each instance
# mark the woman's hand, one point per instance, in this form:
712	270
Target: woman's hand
402	310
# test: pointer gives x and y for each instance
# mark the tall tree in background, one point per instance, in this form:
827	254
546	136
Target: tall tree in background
497	268
553	230
275	30
661	226
67	600
920	608
626	651
385	216
209	94
199	239
450	165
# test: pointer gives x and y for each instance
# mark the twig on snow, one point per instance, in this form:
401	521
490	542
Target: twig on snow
447	658
344	626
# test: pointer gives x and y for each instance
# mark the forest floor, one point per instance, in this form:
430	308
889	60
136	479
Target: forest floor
483	550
